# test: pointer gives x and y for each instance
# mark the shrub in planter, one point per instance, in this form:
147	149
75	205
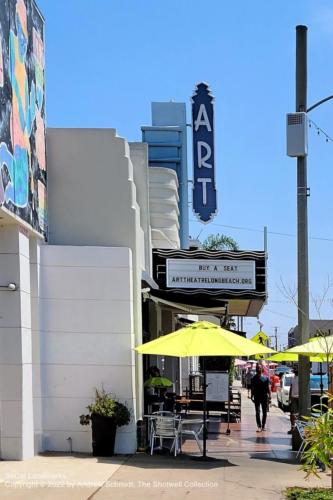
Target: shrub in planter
105	415
319	439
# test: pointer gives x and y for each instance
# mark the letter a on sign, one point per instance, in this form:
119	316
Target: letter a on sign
204	191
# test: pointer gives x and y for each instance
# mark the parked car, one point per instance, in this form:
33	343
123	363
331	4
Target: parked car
280	370
316	390
283	390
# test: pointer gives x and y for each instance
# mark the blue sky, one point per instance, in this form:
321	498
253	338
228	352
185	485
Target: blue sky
107	60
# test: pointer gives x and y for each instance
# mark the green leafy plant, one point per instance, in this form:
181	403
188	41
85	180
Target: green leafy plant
308	494
107	406
232	371
219	242
319	439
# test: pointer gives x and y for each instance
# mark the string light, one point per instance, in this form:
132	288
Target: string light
320	131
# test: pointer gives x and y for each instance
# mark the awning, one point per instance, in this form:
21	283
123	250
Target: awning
187	308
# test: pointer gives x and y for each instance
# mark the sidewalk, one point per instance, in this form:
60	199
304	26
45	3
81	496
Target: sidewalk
248	466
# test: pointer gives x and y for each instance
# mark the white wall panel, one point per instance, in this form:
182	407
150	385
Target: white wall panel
86	256
69	420
98	283
10	346
113	348
11	418
86	315
81	441
10	309
80	380
86	339
11	448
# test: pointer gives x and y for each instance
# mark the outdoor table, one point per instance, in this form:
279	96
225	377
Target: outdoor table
186	427
184	404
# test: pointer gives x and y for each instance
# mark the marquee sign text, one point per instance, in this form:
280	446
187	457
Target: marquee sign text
218	274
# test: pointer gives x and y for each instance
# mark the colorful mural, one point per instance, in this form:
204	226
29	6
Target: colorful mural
22	112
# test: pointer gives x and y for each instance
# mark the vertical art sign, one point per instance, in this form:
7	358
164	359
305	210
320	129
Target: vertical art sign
204	191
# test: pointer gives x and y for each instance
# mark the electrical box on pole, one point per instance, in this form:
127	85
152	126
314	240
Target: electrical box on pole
297	134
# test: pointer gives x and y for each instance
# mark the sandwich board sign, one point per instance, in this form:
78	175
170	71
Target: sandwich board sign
204	190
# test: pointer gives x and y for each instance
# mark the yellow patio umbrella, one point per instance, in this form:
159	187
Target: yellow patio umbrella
202	338
291	356
322	345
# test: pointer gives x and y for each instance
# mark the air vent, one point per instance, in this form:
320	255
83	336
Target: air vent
297	134
295	119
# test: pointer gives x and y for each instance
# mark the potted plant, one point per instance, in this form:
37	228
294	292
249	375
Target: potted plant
105	415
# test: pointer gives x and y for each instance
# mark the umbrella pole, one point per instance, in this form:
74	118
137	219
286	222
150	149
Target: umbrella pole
204	404
204	457
321	388
228	428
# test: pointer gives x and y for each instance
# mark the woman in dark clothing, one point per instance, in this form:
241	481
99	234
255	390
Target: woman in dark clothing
260	395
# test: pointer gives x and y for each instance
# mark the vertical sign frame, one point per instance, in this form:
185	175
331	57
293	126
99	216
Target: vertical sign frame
204	189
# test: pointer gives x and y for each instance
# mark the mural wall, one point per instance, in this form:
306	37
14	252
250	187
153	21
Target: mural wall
22	112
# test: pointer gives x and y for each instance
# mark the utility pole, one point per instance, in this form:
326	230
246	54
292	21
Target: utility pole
275	331
302	226
275	338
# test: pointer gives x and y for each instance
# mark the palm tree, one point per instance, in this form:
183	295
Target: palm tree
219	242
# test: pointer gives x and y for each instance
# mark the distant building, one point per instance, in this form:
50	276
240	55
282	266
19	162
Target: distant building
167	158
317	327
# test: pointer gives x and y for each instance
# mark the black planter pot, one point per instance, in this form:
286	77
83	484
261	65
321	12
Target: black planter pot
103	435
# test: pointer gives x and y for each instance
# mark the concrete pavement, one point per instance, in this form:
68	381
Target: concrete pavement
247	466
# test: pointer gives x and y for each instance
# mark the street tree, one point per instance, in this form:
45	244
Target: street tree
220	242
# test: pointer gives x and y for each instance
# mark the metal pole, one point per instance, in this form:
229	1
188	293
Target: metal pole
204	455
266	259
275	330
302	226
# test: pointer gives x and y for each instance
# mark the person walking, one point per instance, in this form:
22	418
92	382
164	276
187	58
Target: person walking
293	399
260	395
248	378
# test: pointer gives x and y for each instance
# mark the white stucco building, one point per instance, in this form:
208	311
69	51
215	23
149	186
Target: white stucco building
76	313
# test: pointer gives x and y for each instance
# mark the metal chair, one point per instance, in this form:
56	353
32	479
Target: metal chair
300	426
165	427
301	429
195	431
164	413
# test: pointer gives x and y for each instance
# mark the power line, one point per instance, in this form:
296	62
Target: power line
274	233
280	314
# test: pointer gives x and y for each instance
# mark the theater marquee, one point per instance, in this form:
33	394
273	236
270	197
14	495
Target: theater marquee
217	274
211	281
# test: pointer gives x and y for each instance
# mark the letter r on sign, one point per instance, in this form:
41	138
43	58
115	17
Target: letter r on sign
202	159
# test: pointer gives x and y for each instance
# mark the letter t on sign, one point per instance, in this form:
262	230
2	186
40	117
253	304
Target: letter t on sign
204	189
